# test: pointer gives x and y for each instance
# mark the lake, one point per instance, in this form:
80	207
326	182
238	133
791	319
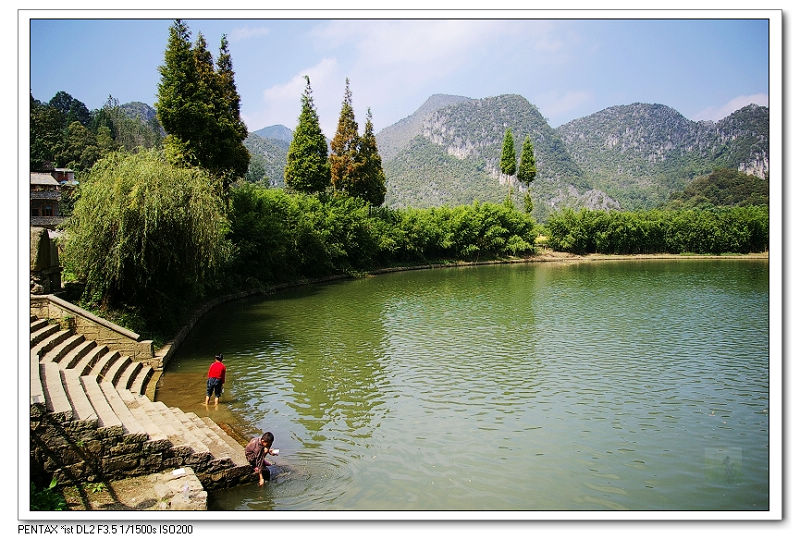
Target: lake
622	385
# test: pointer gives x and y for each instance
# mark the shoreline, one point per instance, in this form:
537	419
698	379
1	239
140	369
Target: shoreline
166	351
548	255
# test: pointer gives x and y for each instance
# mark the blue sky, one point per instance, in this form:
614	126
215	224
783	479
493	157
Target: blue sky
570	68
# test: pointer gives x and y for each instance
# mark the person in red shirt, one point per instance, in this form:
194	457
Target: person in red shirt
216	377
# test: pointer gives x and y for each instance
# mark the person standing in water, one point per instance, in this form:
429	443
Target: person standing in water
216	377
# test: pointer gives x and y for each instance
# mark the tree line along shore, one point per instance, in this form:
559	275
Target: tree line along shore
154	232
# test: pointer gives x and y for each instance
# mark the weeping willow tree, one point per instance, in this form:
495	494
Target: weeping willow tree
144	233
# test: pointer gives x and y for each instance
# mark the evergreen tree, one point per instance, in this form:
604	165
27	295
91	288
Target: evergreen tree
72	109
78	149
176	104
508	157
307	167
528	202
344	146
198	107
46	132
231	155
370	181
527	163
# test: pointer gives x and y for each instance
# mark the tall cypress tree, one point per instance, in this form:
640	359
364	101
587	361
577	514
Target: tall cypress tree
231	155
307	167
199	106
370	181
344	146
176	93
204	102
527	163
508	157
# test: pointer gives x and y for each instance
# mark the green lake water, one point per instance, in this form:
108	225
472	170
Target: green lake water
553	386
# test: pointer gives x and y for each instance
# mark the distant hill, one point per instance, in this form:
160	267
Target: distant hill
723	187
270	154
627	157
453	154
276	132
395	137
641	153
137	109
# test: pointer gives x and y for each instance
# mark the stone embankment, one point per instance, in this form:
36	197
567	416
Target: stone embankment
91	420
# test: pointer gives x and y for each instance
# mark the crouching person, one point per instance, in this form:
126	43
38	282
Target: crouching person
256	452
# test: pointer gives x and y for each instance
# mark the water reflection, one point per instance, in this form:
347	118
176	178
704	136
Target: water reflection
583	386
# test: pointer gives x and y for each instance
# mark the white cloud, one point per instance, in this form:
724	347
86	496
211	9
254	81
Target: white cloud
718	113
281	103
246	32
394	65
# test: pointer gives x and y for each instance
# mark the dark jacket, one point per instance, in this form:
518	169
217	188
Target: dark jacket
255	452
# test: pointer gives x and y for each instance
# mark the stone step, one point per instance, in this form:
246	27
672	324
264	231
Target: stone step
133	429
189	430
156	410
58	352
239	459
42	333
106	418
104	363
82	408
55	394
141	414
52	337
85	365
128	374
37	323
71	359
195	453
116	369
143	377
37	391
152	384
219	447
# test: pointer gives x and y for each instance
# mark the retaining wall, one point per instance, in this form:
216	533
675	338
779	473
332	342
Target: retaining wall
94	328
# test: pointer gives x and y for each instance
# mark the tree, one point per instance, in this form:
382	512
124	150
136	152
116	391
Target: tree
144	232
256	171
127	132
527	163
508	157
307	167
78	149
231	155
370	180
199	107
344	145
105	142
46	132
175	106
72	109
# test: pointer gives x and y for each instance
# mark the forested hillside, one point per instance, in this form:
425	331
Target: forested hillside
65	133
267	158
641	153
723	187
632	157
623	157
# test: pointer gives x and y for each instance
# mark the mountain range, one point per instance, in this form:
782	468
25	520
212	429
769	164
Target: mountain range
623	157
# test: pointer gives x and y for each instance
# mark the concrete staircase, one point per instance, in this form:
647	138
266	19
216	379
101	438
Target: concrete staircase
83	386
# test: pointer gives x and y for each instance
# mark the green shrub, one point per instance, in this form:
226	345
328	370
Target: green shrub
715	230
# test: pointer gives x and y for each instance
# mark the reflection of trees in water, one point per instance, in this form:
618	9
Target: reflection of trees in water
337	373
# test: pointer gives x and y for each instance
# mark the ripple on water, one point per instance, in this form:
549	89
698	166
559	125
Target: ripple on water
530	387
